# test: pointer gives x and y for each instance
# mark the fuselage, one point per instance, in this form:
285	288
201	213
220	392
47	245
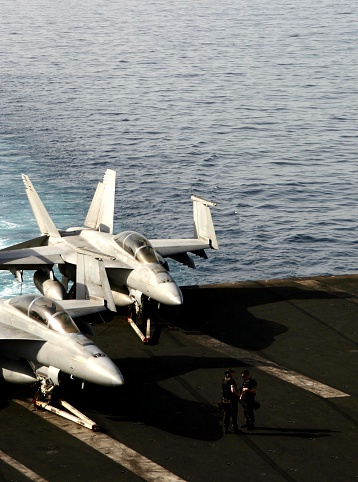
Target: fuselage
130	261
48	336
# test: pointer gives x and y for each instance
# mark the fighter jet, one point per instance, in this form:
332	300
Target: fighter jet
38	339
122	269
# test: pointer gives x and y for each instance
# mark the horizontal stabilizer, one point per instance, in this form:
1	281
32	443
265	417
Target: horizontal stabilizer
43	218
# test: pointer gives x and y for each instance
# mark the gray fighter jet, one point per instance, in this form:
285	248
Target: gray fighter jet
122	269
38	339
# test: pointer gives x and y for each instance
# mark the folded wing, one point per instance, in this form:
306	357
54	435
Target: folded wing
204	236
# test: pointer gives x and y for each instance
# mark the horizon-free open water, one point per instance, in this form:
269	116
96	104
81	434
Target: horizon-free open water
253	105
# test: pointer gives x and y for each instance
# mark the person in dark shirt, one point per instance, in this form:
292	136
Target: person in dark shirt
247	399
230	400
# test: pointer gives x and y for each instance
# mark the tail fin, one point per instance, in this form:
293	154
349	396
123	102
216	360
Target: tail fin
203	223
43	218
101	212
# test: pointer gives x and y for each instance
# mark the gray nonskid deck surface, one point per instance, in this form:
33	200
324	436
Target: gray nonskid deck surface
298	338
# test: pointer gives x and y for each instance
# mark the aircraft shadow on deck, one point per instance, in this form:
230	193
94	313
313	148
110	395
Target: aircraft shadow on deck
224	313
141	400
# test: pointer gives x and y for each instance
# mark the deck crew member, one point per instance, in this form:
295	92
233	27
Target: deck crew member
247	399
230	399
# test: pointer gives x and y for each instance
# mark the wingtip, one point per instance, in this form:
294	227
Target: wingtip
26	181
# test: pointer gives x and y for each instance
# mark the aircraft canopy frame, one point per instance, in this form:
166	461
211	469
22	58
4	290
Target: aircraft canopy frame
46	312
137	246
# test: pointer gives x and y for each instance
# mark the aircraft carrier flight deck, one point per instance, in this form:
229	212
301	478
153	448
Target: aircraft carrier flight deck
297	337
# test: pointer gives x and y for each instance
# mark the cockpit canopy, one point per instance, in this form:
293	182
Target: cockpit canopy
46	312
137	246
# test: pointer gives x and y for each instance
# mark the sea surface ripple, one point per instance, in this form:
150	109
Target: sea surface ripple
253	105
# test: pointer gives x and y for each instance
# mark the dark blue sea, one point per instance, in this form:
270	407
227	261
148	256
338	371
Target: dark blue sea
251	104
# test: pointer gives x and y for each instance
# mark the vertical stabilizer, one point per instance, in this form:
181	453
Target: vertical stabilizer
101	212
93	212
203	223
43	218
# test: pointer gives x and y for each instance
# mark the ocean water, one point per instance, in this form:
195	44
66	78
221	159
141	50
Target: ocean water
251	104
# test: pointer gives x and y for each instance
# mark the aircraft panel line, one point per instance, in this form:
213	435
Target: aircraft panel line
111	448
21	468
269	367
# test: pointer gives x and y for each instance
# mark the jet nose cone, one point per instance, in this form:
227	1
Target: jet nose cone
172	294
102	371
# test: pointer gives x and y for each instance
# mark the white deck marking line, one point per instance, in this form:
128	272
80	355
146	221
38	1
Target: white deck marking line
301	381
111	448
270	367
20	467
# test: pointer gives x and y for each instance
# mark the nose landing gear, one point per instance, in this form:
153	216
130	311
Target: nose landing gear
43	397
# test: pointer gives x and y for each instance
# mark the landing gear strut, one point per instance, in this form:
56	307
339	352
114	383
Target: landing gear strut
43	398
143	312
